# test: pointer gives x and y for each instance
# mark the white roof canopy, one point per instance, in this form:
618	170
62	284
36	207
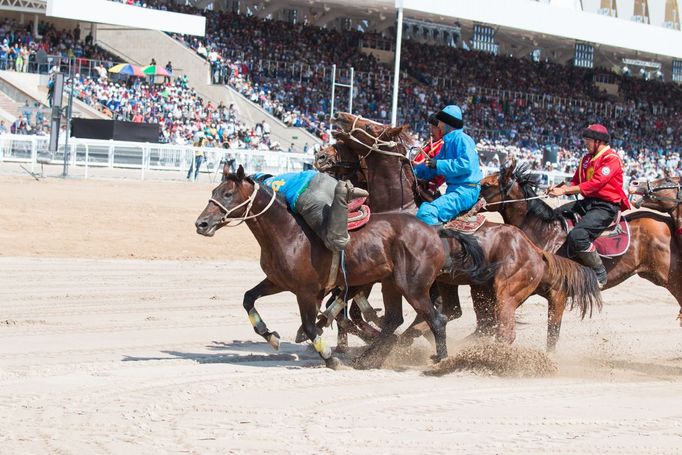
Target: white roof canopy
564	22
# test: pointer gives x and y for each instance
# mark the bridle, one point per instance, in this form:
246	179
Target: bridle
504	190
649	193
378	142
248	202
375	147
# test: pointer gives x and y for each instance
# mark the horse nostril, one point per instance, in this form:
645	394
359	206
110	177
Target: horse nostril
201	224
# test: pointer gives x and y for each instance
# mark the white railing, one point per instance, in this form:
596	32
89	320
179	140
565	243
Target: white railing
92	153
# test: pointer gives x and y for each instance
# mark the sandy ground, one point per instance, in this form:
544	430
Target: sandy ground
122	331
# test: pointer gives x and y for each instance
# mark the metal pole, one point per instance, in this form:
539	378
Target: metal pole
350	97
331	110
68	125
396	72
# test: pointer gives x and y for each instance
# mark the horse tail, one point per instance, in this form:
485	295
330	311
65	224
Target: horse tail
576	281
469	258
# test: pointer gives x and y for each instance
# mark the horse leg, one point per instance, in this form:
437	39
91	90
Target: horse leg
308	306
675	284
509	298
357	325
556	304
451	309
381	346
265	287
484	307
436	321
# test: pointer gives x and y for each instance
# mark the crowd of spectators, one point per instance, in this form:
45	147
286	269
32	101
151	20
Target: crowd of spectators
512	105
184	116
508	102
22	51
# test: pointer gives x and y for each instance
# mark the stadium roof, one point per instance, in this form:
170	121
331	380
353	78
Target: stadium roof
561	18
582	20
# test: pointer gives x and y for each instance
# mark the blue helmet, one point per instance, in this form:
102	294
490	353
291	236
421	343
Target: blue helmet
451	115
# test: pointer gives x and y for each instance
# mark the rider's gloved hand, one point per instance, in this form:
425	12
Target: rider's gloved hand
431	163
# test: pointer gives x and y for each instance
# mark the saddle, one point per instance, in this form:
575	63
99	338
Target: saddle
358	214
613	242
470	221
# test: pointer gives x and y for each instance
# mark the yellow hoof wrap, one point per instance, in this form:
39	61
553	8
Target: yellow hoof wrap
257	322
325	351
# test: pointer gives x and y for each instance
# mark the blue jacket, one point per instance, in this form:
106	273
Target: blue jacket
291	185
457	162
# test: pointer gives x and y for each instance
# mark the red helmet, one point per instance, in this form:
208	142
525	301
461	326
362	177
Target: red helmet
597	132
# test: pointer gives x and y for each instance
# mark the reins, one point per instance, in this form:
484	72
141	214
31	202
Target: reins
543	196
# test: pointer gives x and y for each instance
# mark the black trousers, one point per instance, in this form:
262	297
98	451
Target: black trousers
596	214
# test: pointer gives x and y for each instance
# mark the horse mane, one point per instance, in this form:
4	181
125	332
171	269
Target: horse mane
529	183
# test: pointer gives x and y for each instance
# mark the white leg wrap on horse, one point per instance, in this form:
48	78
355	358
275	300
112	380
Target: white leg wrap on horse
333	311
324	350
362	302
368	312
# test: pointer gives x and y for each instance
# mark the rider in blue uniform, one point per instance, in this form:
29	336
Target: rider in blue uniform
458	163
321	200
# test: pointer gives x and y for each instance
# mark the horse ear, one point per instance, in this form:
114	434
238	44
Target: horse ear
240	173
226	171
340	135
397	131
508	168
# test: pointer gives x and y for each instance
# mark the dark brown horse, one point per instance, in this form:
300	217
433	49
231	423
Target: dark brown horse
396	250
663	195
653	254
376	153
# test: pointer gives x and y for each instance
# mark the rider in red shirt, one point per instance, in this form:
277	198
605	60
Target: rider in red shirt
599	179
431	149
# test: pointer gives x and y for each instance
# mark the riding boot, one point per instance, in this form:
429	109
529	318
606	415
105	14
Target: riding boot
337	237
592	260
355	192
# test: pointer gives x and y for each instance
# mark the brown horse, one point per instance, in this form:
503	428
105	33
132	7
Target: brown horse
652	254
396	250
664	195
377	153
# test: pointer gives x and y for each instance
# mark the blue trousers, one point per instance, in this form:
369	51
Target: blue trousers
458	199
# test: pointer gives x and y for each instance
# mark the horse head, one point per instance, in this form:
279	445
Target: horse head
502	185
364	136
337	160
229	200
663	194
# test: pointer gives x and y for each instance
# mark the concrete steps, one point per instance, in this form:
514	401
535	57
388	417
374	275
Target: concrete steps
9	109
33	87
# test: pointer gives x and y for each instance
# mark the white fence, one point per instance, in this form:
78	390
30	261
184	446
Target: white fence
91	153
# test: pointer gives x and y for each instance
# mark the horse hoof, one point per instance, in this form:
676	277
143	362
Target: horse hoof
335	364
301	335
436	358
273	340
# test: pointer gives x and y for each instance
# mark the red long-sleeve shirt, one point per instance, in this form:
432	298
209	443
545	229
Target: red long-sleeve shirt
601	176
431	149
